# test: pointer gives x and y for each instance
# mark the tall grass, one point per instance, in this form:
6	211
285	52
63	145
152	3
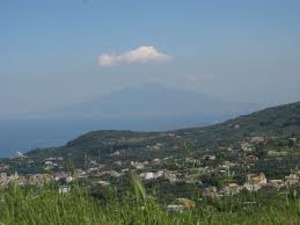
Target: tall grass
32	206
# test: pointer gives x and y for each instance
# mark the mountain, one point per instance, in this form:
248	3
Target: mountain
279	122
150	107
156	101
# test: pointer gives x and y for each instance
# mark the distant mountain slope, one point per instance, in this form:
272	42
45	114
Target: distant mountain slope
146	108
154	100
277	121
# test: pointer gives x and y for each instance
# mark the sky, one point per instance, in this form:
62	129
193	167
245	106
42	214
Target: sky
55	53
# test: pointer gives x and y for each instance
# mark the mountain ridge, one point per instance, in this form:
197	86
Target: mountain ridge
282	120
143	108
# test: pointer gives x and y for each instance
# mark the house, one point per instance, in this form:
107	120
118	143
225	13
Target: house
259	178
79	173
294	140
36	179
246	147
237	126
258	139
195	162
156	161
171	134
151	175
125	170
93	163
277	153
147	176
69	178
255	181
114	173
292	179
232	189
157	147
116	153
276	183
175	208
50	159
14	177
138	165
118	163
103	183
48	163
3	176
20	155
92	170
252	187
186	203
64	189
170	176
47	178
60	176
208	157
228	164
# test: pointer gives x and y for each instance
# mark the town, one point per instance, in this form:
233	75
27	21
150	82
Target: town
226	171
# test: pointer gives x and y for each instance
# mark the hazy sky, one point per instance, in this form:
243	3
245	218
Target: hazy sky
58	52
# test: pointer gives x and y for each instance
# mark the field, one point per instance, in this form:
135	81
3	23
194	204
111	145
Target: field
30	206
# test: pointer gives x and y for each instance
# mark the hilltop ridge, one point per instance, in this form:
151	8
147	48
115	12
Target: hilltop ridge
282	120
251	152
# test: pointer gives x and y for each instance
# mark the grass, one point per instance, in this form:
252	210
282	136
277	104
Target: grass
33	206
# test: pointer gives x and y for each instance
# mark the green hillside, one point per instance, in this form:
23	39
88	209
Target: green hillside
281	121
188	163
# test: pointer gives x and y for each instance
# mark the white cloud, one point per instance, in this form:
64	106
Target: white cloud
143	54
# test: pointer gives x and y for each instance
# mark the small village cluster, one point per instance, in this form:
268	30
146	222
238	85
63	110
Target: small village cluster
189	169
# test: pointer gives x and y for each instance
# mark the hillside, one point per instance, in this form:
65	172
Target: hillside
282	121
144	108
276	121
210	160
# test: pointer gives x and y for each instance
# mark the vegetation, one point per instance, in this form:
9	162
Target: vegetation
29	206
281	121
209	168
